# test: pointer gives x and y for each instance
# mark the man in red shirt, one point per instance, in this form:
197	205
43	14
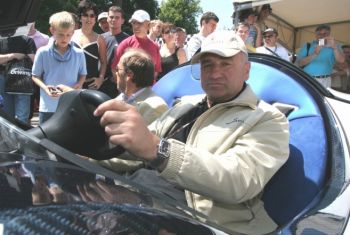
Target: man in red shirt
140	22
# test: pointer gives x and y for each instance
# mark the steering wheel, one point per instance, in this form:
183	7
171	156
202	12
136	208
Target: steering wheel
74	127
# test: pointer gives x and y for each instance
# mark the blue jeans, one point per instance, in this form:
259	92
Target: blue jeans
44	116
15	105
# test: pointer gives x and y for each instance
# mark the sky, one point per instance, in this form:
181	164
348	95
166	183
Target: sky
222	8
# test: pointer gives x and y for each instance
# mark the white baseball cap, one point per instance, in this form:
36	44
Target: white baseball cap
221	43
102	15
140	16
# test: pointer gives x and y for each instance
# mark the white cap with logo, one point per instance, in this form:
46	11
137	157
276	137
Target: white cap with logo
140	16
102	15
221	43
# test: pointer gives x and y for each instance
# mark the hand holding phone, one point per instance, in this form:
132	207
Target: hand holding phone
321	42
55	90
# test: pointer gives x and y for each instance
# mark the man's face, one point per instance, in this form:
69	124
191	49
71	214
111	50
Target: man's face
140	29
243	32
265	13
323	33
62	36
121	76
270	39
103	23
210	26
115	20
157	29
223	78
180	38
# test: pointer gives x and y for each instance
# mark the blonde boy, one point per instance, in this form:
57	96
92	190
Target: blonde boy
58	63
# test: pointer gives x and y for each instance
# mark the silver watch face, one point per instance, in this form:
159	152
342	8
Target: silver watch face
164	149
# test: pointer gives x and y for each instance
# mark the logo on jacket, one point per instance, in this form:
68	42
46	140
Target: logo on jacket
236	120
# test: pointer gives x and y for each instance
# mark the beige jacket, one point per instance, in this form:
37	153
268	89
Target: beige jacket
150	105
232	151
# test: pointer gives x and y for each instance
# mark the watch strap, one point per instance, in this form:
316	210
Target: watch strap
163	153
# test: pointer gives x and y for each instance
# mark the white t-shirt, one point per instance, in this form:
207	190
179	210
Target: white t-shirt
278	49
194	44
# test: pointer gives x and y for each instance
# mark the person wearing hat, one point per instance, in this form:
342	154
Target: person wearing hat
271	46
140	22
318	57
102	21
219	149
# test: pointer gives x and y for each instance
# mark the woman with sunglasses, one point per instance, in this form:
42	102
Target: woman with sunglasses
93	45
171	55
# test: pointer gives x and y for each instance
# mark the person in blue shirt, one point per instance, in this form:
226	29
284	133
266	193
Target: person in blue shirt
58	63
318	57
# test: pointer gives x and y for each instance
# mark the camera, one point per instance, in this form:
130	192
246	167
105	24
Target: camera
55	91
322	42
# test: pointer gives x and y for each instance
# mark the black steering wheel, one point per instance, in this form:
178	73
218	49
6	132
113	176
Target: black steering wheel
74	127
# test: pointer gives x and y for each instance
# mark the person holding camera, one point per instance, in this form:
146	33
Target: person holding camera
318	57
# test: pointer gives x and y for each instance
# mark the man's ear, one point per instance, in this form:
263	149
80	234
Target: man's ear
129	75
51	30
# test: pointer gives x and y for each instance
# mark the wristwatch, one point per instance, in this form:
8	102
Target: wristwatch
163	154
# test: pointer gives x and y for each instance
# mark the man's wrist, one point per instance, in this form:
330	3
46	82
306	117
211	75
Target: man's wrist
162	155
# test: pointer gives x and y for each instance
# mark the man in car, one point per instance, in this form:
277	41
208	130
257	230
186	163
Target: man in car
220	149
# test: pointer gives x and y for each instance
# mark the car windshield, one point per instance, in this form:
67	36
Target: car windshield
38	174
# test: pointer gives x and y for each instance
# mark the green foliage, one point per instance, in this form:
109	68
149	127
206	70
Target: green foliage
49	7
182	13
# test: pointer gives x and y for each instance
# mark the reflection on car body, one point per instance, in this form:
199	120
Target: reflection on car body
42	195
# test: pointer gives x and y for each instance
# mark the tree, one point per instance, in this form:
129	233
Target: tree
49	7
182	13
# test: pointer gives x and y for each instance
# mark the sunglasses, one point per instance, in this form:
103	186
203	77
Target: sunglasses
170	31
89	15
268	36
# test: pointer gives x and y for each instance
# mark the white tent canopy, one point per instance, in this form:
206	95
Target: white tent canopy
296	19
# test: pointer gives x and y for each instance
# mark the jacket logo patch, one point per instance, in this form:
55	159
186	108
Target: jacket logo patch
236	120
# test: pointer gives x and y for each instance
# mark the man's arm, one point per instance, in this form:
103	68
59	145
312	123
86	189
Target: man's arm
80	82
239	171
42	85
82	72
304	60
117	54
4	58
339	56
103	61
193	45
125	126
